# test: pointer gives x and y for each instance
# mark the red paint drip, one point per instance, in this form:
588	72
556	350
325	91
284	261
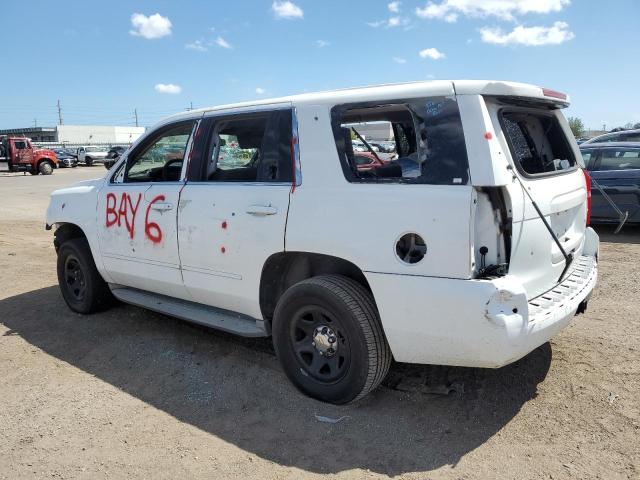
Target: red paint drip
488	135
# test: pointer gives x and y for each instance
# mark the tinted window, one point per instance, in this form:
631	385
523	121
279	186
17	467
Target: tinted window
427	133
251	148
20	145
588	156
537	142
160	160
619	159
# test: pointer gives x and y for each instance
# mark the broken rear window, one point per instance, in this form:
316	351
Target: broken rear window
427	133
537	142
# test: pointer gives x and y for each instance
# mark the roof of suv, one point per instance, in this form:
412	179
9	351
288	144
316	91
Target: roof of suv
609	144
620	133
400	90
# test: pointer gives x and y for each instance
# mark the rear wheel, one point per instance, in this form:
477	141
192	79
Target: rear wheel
329	340
45	168
88	161
81	285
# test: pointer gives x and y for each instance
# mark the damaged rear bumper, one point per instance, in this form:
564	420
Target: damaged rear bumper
477	323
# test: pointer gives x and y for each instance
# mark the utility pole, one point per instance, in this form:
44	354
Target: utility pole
60	121
35	122
135	113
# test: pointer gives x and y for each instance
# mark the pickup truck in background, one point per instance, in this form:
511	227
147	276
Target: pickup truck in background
89	155
17	154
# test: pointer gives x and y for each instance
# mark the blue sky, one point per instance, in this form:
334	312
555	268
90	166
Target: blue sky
101	61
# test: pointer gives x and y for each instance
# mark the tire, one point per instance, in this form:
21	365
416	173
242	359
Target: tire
81	285
88	161
315	315
45	168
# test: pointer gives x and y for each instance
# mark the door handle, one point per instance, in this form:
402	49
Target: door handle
261	210
162	207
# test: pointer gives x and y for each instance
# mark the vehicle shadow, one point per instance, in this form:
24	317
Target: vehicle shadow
234	389
628	234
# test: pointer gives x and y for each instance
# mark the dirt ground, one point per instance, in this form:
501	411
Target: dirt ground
133	394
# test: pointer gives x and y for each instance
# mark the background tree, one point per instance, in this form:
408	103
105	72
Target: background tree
577	127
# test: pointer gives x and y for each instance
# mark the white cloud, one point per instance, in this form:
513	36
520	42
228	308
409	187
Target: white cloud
168	88
153	26
432	53
286	9
449	10
394	7
197	45
530	36
390	23
260	91
399	60
221	42
322	43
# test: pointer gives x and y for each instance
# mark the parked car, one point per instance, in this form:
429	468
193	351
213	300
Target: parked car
113	155
346	269
89	155
65	159
368	161
621	136
616	168
385	147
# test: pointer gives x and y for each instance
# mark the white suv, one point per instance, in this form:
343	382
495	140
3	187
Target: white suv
470	248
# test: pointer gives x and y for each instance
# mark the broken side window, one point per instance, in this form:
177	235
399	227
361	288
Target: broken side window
427	133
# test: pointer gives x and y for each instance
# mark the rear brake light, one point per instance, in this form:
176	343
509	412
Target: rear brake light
587	180
552	93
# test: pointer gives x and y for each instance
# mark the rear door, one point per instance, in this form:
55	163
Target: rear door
617	171
233	210
546	161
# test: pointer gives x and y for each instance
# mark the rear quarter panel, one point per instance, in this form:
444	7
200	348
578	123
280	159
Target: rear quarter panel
361	222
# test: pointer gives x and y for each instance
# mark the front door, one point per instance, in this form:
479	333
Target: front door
24	152
137	213
233	210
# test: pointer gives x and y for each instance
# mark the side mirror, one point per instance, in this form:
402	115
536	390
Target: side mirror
222	142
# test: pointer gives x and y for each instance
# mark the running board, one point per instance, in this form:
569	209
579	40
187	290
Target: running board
192	312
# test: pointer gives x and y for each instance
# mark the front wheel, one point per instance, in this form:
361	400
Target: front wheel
45	168
329	340
81	285
88	161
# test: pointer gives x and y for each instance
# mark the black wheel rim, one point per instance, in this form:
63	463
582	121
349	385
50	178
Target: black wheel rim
74	278
307	327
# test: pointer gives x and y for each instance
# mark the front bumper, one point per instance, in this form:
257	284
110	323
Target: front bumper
476	323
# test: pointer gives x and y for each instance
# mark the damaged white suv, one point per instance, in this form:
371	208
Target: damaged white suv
470	246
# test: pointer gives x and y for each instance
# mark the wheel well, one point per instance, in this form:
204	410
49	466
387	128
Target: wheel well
282	270
65	232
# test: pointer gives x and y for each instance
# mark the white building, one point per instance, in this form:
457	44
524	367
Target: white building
79	134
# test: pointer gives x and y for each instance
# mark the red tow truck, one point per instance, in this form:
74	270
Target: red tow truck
17	154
